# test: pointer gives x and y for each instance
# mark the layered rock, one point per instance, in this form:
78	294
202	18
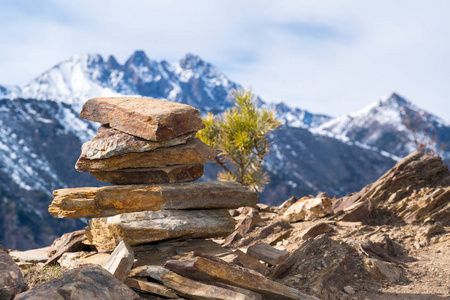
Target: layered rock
193	152
150	226
113	200
111	142
11	280
150	119
416	189
171	174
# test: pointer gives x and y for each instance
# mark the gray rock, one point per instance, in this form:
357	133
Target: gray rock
11	280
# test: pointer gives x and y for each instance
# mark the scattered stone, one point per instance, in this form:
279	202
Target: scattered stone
267	253
231	239
349	290
11	280
193	152
72	260
110	142
247	223
121	261
244	260
315	229
150	119
280	237
74	244
113	200
31	256
64	240
288	203
382	270
193	289
171	174
358	212
150	287
215	270
308	209
150	226
89	282
424	236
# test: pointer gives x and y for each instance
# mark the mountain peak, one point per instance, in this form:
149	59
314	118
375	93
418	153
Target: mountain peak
112	62
138	58
395	99
191	61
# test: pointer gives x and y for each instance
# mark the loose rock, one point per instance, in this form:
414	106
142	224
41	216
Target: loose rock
11	280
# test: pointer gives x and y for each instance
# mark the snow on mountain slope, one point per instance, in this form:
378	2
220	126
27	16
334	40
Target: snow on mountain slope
10	92
390	124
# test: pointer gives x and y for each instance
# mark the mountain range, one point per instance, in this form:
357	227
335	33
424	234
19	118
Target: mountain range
41	136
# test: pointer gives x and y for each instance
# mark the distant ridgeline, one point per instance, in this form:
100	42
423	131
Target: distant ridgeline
41	136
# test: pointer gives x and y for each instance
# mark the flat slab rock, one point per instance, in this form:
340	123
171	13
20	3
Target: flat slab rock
88	282
151	226
111	142
193	152
150	119
112	200
172	174
11	279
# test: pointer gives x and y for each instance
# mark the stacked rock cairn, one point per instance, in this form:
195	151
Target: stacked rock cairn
147	149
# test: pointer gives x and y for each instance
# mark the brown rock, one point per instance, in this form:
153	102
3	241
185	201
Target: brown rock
11	280
244	260
215	270
193	152
72	260
231	239
308	209
110	142
89	282
267	253
150	226
314	230
120	262
150	287
358	212
248	223
382	270
113	200
288	203
171	174
74	244
150	119
193	289
30	256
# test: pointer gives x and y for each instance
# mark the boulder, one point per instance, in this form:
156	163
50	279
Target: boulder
171	174
150	226
193	152
110	142
308	209
88	282
120	262
11	279
382	270
150	119
105	201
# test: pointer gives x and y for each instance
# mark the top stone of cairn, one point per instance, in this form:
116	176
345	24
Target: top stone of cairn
150	119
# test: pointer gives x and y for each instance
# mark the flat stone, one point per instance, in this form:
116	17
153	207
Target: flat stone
307	209
105	201
193	289
150	226
11	280
267	253
358	212
120	262
150	119
193	152
215	270
288	203
172	174
111	142
88	282
314	230
72	260
31	256
150	287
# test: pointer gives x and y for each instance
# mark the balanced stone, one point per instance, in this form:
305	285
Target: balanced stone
151	226
172	174
105	201
193	152
150	119
111	142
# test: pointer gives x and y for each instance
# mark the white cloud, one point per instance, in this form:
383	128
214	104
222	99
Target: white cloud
326	56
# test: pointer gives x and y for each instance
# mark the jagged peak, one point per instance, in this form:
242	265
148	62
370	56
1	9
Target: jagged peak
396	99
192	61
138	58
112	62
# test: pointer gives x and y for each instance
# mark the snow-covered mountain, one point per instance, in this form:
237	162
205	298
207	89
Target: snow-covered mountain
390	124
41	136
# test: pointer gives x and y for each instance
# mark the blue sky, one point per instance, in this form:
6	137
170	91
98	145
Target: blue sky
331	56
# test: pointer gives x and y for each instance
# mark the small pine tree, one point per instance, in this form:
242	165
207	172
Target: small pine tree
239	137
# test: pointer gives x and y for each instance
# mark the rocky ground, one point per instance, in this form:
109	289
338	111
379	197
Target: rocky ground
391	240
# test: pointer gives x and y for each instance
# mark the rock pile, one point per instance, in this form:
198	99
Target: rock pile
148	148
